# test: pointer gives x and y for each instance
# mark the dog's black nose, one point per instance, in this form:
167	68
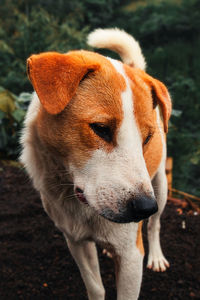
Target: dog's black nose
136	209
142	207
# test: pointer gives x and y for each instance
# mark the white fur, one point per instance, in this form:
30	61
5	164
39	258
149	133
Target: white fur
156	259
121	42
28	157
129	136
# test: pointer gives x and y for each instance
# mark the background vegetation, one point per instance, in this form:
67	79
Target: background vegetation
169	33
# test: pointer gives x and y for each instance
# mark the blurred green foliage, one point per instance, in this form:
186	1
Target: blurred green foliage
12	113
168	31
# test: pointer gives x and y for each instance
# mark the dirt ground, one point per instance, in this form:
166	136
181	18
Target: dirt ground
36	264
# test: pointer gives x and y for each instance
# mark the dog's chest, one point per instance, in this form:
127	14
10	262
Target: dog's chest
79	222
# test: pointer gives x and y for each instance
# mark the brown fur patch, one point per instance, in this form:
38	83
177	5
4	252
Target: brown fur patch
139	241
155	86
145	114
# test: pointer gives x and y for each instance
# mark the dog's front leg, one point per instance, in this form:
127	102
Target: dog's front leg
85	255
156	260
128	274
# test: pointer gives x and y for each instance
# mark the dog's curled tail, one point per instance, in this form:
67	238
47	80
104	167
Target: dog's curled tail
121	42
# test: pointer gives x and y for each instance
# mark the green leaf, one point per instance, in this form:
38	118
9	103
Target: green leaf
5	47
195	160
18	115
25	97
7	102
176	112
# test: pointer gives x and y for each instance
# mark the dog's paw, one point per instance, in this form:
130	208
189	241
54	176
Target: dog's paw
107	253
157	263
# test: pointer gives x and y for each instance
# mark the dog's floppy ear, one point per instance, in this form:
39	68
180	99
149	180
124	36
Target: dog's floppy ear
160	96
55	77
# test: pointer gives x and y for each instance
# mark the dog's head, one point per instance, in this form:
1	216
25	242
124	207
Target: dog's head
99	116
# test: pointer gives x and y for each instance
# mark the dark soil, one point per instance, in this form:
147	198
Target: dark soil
36	264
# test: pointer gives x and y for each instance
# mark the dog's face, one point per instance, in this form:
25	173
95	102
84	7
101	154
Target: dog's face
100	117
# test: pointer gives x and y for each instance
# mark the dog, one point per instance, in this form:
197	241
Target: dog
94	144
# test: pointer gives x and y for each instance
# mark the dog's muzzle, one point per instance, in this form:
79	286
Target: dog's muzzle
136	210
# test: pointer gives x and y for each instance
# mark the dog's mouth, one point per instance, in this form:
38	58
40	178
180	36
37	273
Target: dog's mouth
80	195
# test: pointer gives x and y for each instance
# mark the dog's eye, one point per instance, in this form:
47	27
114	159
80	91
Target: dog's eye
148	138
102	131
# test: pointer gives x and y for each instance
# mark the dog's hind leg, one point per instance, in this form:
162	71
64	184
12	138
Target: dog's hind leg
85	255
156	260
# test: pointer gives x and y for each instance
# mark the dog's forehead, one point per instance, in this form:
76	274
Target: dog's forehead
107	83
100	93
110	81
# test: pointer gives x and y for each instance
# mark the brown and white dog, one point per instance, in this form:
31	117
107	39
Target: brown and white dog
94	145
